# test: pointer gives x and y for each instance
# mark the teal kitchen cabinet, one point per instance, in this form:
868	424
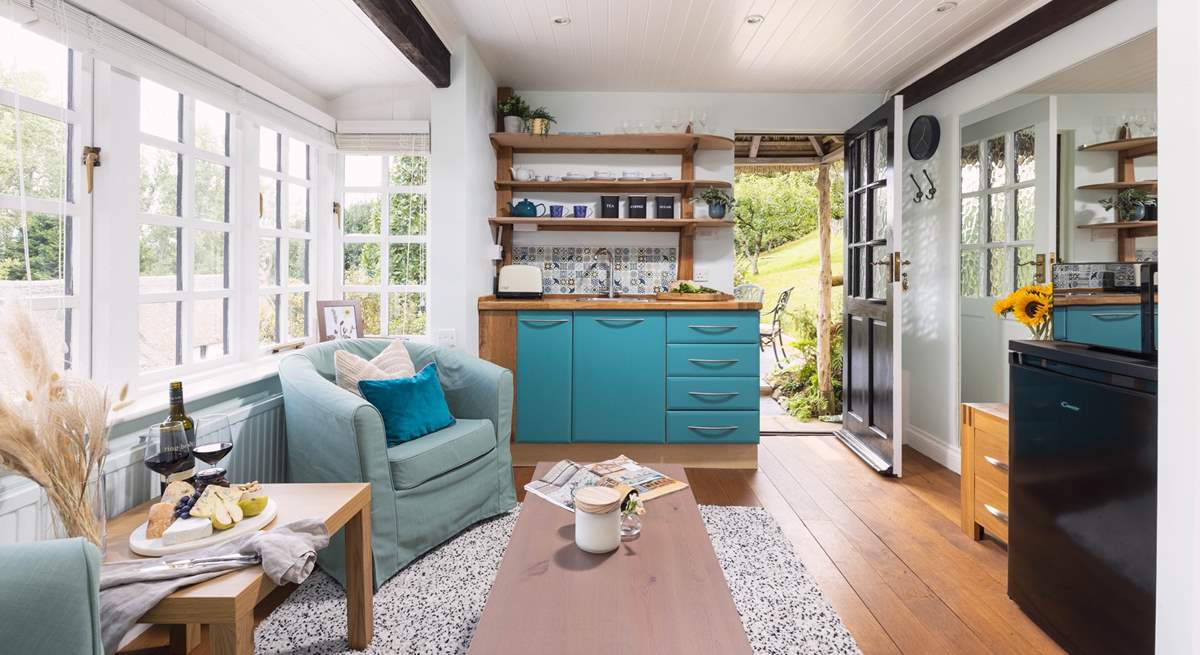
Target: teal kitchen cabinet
619	377
712	327
1111	326
543	384
722	359
712	393
712	427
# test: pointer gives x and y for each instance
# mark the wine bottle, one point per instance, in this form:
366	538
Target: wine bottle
177	413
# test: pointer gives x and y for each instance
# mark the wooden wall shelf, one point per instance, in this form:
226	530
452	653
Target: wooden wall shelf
1123	144
611	224
1126	230
1151	185
664	143
1126	178
682	187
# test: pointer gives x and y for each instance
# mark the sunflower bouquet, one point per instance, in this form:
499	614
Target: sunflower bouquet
1031	306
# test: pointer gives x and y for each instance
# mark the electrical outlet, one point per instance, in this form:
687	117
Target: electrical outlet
446	338
701	276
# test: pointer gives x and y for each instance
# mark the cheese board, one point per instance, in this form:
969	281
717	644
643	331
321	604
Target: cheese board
138	543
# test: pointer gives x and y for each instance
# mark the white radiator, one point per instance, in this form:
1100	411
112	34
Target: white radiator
259	453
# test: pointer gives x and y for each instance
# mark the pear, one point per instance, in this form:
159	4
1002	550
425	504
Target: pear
253	506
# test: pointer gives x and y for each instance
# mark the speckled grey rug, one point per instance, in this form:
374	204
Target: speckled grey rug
433	605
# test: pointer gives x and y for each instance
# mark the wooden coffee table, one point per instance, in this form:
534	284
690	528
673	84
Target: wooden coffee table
661	593
226	603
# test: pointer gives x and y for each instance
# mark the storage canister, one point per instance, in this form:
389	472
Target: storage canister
597	519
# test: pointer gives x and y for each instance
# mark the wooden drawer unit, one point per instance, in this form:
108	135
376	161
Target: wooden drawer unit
985	470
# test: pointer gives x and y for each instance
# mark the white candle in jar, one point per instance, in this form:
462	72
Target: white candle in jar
597	519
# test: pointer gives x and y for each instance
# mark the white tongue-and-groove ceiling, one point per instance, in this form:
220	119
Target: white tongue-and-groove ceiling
707	45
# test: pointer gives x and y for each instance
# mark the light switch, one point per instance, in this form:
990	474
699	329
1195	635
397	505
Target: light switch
446	338
701	276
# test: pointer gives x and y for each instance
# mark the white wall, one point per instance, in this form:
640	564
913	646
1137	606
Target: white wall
931	229
384	103
1178	586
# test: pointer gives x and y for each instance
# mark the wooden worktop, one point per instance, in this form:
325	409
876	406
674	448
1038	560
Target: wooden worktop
568	303
1064	300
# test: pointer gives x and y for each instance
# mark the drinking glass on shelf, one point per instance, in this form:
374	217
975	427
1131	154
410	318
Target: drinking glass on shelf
703	118
1097	128
1139	121
169	453
1153	122
676	120
658	121
214	441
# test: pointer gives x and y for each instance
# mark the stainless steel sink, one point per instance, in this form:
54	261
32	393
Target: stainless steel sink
607	299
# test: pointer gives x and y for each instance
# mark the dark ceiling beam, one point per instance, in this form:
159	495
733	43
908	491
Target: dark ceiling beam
402	23
1033	27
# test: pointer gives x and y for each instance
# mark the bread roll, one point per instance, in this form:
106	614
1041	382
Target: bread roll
160	518
176	490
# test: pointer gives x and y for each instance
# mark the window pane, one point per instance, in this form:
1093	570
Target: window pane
997	171
408	213
161	109
406	313
55	326
268	190
362	213
268	262
1024	266
298	315
370	311
996	216
298	207
210	328
210	268
361	263
996	272
298	261
881	274
969	273
407	261
158	335
49	253
364	170
34	65
1025	214
297	158
43	154
970	168
212	191
158	257
212	128
881	224
880	139
410	170
160	181
1026	163
972	231
268	149
268	320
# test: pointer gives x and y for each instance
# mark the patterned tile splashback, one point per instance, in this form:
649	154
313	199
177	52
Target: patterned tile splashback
569	269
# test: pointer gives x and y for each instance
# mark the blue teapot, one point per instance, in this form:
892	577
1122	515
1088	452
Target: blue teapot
526	209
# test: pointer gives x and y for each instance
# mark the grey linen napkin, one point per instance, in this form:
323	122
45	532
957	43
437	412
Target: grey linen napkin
287	554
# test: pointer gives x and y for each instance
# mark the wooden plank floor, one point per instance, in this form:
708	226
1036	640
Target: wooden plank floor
888	553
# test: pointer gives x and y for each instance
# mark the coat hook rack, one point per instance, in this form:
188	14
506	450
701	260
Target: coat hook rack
920	192
932	187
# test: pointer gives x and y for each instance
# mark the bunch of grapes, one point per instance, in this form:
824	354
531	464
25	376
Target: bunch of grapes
184	507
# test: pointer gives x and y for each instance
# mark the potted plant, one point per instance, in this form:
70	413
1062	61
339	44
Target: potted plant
515	111
540	120
718	201
1130	204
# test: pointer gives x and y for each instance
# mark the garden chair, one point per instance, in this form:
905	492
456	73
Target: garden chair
771	332
748	293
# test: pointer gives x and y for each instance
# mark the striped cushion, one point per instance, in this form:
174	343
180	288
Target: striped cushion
393	362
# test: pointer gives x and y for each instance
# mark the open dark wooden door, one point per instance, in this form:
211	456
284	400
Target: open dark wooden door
871	391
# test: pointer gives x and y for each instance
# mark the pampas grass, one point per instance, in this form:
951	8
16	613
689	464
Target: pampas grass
53	428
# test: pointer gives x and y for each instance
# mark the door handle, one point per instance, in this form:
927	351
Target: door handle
91	159
713	393
1000	516
630	321
553	321
714	428
261	209
1066	405
995	462
713	361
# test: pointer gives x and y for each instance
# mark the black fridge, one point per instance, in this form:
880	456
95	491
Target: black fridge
1082	495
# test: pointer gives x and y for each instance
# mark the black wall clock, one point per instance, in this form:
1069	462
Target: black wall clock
923	137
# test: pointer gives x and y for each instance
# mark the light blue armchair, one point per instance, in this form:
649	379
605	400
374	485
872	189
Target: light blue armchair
424	491
50	598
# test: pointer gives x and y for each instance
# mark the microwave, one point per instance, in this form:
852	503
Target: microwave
1113	306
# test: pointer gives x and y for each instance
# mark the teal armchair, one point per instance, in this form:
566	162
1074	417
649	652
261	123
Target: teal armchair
424	491
50	598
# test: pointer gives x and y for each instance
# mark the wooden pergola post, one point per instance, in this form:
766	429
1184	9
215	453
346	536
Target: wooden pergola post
824	292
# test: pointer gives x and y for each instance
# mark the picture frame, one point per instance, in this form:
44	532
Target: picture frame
339	319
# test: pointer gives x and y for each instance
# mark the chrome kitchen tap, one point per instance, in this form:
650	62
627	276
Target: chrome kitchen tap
596	262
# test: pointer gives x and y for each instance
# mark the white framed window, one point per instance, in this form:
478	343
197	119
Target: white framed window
998	217
185	204
284	238
385	239
45	116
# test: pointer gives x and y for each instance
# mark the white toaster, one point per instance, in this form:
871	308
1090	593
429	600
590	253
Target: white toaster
519	281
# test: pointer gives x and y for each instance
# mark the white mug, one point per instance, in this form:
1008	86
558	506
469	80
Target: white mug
522	174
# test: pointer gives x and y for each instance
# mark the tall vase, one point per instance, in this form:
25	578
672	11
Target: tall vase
84	515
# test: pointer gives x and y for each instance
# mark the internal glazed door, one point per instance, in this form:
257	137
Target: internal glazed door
871	391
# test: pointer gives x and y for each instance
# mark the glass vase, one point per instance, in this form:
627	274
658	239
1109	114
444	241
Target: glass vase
83	516
631	526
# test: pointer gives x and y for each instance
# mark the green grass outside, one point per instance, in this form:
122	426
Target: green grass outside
796	264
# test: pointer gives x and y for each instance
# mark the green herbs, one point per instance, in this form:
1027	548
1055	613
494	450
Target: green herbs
514	105
715	196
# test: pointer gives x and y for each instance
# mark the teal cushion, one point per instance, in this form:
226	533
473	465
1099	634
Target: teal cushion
411	407
416	462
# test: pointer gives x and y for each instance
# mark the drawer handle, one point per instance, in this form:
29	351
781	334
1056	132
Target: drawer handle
553	321
629	321
714	428
1066	405
713	393
995	462
713	327
1114	316
713	361
1000	516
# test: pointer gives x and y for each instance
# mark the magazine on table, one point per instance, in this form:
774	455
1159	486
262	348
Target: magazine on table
558	485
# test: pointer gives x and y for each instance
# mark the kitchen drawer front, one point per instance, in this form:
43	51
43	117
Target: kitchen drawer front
991	459
1116	326
619	360
543	380
712	393
712	427
991	509
712	327
712	360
